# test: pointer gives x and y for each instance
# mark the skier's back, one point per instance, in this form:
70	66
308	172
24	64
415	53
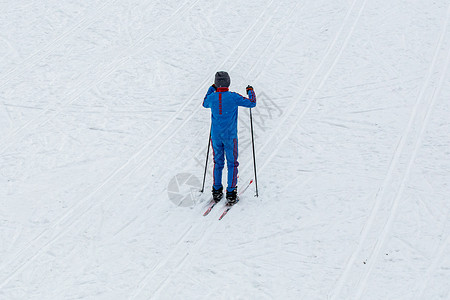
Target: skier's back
224	115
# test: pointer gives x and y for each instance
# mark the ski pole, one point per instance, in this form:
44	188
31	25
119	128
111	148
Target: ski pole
253	145
206	163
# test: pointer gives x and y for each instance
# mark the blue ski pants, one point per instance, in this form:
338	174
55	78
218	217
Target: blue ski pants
228	148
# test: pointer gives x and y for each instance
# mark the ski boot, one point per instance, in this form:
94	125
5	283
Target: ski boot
232	197
217	194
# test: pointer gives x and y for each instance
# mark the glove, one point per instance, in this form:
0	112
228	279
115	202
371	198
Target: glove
249	88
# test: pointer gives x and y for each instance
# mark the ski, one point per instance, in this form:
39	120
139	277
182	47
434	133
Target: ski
245	188
212	203
210	207
227	209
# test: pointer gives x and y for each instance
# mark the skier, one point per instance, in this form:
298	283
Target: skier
224	115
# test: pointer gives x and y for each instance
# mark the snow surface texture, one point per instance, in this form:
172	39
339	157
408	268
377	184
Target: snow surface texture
100	117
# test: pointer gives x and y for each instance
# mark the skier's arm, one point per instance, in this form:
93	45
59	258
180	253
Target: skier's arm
246	102
211	90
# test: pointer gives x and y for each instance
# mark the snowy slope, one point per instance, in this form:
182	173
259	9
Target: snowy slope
101	113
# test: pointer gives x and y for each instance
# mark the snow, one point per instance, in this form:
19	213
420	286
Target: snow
101	124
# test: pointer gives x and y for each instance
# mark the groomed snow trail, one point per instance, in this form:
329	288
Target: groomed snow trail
101	110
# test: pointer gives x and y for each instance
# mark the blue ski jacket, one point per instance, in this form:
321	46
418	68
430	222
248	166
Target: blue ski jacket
224	111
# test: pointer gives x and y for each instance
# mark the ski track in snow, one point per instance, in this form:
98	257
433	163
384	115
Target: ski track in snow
45	51
102	74
133	158
420	106
298	117
159	274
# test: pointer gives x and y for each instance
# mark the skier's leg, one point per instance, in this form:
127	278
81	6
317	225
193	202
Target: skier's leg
231	151
219	162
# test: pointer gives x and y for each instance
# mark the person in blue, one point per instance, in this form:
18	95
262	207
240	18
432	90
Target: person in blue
224	139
